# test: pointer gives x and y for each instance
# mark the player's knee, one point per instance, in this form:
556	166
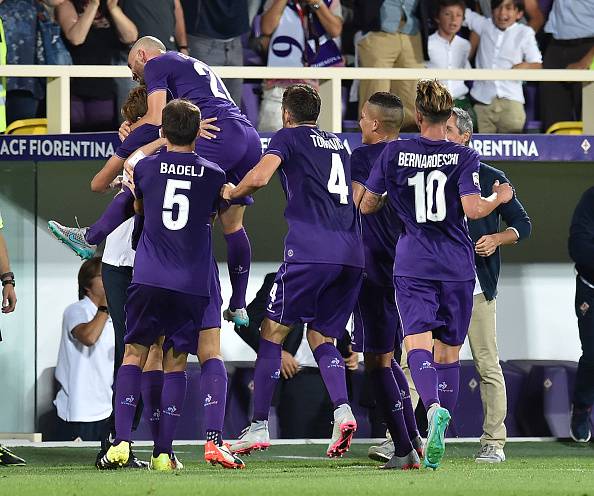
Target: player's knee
315	339
174	361
444	353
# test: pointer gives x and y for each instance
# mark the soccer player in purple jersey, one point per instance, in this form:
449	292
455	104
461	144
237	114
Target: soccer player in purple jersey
177	192
431	184
376	327
319	281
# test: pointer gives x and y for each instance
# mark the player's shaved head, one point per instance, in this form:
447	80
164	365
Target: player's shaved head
180	122
387	108
302	103
148	43
141	52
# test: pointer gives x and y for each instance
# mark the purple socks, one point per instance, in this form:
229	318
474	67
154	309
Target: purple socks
151	388
424	375
448	375
119	210
213	390
332	370
266	377
239	255
409	412
387	395
127	393
172	403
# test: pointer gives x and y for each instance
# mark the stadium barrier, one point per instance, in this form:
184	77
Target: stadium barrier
58	83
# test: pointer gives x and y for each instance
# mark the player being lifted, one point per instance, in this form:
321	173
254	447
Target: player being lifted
319	281
177	192
431	185
236	148
376	327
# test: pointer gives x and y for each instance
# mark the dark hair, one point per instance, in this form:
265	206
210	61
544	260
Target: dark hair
88	270
391	107
434	100
180	122
518	4
136	104
302	102
442	4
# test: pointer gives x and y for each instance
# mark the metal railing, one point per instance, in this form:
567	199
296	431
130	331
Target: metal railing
58	83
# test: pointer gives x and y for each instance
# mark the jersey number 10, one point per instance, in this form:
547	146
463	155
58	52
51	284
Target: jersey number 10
425	190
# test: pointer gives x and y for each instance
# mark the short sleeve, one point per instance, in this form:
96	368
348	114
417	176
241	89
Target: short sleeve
156	75
469	180
280	145
359	166
140	136
376	183
74	315
531	51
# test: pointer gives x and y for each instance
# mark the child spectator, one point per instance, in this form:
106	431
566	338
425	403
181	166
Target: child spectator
504	44
449	51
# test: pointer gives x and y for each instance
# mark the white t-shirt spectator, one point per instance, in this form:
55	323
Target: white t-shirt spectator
501	50
84	372
444	54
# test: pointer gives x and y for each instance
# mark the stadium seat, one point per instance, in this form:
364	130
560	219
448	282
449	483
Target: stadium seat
514	384
27	126
467	418
566	127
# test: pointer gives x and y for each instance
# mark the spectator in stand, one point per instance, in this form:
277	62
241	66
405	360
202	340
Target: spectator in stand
19	18
397	43
571	24
214	35
504	44
85	360
447	50
287	23
94	30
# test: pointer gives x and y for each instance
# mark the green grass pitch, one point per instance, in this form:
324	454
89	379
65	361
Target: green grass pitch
546	468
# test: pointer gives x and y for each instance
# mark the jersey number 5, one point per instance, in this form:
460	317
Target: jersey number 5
337	181
425	192
182	201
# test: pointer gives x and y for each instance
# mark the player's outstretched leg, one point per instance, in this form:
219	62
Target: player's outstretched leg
213	387
422	368
266	377
73	238
332	370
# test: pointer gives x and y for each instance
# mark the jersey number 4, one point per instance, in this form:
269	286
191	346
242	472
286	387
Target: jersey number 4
337	184
173	198
430	201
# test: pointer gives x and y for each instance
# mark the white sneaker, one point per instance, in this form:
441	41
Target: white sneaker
239	317
490	453
254	437
345	426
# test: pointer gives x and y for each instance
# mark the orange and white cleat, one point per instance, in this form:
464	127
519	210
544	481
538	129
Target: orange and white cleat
345	426
221	455
253	438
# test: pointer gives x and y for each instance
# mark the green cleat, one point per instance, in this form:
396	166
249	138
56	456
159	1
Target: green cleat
73	238
439	419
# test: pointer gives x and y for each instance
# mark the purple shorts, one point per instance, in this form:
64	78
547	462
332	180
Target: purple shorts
320	295
443	307
152	312
376	326
236	149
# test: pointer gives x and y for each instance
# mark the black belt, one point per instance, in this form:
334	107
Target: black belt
577	41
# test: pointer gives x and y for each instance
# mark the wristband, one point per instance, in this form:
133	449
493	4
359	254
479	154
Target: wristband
182	47
9	281
6	275
103	308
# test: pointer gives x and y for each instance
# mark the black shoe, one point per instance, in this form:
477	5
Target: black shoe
7	457
135	462
580	429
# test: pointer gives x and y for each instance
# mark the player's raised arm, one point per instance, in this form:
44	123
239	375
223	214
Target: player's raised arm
255	179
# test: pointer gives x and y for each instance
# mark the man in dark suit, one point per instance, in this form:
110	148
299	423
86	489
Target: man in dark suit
303	406
482	334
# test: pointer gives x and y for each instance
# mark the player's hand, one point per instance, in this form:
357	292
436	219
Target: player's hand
124	130
9	299
583	63
504	191
352	361
289	366
117	182
226	191
206	127
486	246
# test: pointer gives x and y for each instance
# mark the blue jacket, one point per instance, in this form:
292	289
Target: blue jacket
581	236
512	213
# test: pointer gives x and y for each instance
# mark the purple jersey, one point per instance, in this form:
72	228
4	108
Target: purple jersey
425	180
315	174
146	133
179	191
380	230
185	77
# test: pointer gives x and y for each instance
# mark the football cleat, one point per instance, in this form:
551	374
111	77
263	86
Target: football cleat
116	456
345	426
73	238
384	451
439	419
221	455
253	438
8	458
411	461
239	317
163	463
490	453
580	429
